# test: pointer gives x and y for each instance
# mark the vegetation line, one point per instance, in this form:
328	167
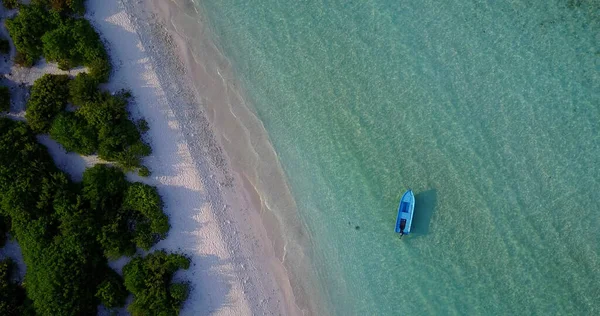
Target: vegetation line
68	231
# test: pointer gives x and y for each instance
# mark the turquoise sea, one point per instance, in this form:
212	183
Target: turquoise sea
488	110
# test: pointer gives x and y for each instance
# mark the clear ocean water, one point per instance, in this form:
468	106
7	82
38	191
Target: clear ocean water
488	110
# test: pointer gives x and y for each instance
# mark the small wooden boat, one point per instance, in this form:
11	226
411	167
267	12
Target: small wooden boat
405	213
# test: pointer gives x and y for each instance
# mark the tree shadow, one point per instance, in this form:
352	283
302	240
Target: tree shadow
424	208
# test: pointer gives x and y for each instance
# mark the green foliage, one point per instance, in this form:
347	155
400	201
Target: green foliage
27	28
179	291
151	224
130	214
64	231
74	134
12	296
144	171
10	4
143	126
57	281
56	236
119	139
74	42
4	99
100	69
4	46
111	292
104	112
83	89
70	6
23	163
103	188
149	279
66	40
48	98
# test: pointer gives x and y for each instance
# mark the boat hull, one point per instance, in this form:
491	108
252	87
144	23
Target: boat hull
406	210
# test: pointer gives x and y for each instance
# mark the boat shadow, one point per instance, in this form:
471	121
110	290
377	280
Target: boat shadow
424	208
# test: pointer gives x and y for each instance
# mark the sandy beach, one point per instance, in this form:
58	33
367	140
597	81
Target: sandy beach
214	220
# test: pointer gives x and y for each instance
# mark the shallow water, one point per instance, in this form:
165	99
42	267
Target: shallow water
488	110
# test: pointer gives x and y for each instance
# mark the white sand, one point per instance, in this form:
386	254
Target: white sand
234	270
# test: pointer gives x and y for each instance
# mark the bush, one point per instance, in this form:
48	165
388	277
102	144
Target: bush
100	69
10	4
130	214
48	98
74	42
68	41
150	223
71	6
143	126
27	28
144	171
4	99
122	143
64	230
4	46
61	281
74	134
83	89
56	237
111	292
149	279
104	112
104	187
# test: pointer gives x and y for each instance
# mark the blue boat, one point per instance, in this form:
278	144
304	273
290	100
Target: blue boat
405	213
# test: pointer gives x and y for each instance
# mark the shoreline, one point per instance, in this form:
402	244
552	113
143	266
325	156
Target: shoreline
252	159
215	211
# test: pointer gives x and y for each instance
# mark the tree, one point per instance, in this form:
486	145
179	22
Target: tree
142	126
111	292
10	4
144	171
104	112
58	47
27	28
121	142
4	99
74	42
74	134
48	98
104	187
83	89
150	223
74	6
56	236
66	229
149	279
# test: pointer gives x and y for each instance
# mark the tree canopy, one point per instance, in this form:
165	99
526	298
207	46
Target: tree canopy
66	231
27	28
48	98
74	134
70	6
37	31
149	280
